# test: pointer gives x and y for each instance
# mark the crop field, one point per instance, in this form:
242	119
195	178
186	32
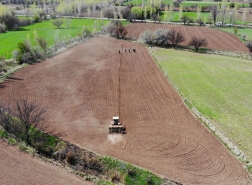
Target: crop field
218	86
21	168
85	86
10	40
217	39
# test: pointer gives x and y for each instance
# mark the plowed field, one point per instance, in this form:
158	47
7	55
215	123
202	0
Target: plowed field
22	168
217	39
84	87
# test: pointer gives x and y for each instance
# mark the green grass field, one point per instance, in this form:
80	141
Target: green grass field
193	15
208	3
218	86
9	40
247	31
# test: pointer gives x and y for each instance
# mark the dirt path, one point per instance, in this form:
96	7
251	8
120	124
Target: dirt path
80	89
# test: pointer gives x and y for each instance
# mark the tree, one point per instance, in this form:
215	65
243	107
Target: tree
120	31
198	42
146	37
8	122
249	45
160	37
214	11
235	29
29	115
42	43
185	19
57	23
137	11
171	11
200	22
175	37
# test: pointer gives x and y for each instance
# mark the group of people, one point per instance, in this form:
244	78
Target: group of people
134	50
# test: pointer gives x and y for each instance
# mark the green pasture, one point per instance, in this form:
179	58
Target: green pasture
208	3
218	86
9	40
247	31
193	15
146	2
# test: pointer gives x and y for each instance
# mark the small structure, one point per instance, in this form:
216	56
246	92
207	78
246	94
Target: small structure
116	126
134	50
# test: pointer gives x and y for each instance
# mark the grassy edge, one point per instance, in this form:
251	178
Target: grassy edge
239	154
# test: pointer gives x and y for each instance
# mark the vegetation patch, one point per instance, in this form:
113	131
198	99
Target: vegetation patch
218	86
9	40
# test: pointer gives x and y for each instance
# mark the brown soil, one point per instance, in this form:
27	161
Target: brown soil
217	39
84	87
21	168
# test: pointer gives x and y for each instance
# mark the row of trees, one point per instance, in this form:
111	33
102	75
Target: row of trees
164	37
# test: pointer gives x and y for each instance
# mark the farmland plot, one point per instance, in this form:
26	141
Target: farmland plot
217	39
85	86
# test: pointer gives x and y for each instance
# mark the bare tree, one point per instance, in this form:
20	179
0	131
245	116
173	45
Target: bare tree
42	43
8	122
30	115
175	37
120	31
57	23
198	42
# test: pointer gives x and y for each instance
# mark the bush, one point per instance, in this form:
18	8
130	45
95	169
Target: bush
70	158
11	22
26	54
244	36
249	45
36	19
86	32
25	22
2	28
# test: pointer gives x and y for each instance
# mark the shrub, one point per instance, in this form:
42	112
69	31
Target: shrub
235	29
11	22
249	45
86	32
2	28
36	19
70	158
244	36
109	29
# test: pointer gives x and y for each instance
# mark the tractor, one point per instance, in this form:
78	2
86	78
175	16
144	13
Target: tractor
116	126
